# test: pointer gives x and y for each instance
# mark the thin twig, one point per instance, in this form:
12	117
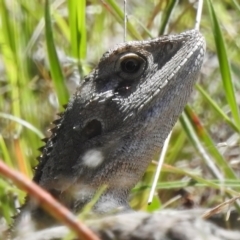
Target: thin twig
159	167
47	202
199	14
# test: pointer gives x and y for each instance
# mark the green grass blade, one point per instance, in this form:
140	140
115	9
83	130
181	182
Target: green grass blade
73	27
189	129
217	108
23	123
166	16
237	6
81	14
202	182
224	65
77	22
7	26
4	152
203	135
63	26
55	69
199	179
10	54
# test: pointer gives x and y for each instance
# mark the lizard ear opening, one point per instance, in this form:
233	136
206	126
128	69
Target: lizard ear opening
92	129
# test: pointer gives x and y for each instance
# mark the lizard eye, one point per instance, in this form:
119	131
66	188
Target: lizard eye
131	65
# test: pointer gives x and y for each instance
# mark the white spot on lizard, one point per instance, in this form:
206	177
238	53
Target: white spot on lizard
93	158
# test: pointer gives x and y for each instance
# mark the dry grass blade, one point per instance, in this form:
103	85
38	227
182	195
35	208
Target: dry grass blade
48	202
219	207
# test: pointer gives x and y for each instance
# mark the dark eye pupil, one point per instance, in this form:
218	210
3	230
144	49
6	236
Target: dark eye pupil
130	65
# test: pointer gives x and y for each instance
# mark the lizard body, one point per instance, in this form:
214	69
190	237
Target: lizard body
118	118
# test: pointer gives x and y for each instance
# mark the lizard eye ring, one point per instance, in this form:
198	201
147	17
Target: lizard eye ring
130	65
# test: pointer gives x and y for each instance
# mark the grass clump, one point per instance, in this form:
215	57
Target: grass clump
41	65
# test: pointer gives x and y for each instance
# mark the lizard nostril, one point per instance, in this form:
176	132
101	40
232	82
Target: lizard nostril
92	129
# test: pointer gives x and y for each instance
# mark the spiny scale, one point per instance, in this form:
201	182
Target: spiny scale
56	121
44	139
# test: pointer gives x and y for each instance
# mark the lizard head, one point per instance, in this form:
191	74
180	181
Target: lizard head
120	116
135	76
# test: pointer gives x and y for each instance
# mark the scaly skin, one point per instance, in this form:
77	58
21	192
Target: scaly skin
117	120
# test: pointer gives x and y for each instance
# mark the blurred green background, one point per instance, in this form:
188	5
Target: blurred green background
202	163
